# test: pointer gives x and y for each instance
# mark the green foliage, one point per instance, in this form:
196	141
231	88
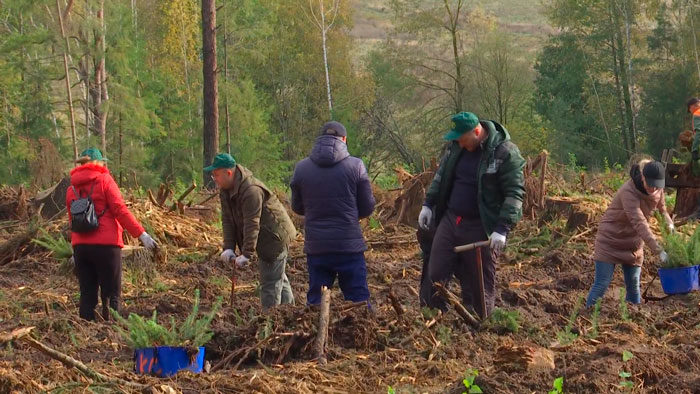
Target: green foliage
60	247
683	251
444	334
502	321
624	311
566	336
625	384
390	390
468	381
194	331
558	386
374	223
594	318
627	355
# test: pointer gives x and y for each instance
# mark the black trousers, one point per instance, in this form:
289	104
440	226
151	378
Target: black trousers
98	266
444	263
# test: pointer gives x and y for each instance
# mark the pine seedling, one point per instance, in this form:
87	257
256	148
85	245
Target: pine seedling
624	312
594	318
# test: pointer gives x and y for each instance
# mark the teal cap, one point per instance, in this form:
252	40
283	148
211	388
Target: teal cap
464	123
94	154
222	160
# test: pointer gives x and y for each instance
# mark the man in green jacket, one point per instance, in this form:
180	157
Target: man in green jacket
254	219
476	194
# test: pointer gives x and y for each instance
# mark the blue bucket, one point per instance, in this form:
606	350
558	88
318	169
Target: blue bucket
679	280
166	361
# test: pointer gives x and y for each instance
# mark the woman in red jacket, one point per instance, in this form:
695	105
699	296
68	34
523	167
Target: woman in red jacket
97	253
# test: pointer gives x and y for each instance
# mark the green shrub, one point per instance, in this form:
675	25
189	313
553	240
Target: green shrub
502	321
683	251
140	332
59	247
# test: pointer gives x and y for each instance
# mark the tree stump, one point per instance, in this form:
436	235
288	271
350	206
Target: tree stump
557	206
686	202
577	219
53	199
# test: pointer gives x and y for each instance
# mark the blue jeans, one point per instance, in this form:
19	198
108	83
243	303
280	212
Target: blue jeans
349	268
603	277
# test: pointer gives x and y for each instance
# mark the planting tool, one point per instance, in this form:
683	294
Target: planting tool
479	269
233	281
648	298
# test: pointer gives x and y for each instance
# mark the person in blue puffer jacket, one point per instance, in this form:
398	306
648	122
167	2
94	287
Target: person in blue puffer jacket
331	189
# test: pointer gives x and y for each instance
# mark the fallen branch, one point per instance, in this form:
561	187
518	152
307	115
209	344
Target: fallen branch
23	334
419	330
211	197
396	304
457	304
323	318
153	198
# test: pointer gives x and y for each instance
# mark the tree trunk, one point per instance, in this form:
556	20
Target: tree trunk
103	77
99	89
66	50
210	99
121	151
325	59
691	16
618	86
624	81
226	110
459	87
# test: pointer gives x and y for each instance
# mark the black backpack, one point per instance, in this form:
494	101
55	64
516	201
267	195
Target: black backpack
84	216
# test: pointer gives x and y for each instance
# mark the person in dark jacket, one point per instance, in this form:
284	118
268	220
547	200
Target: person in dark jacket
97	254
254	220
476	195
331	189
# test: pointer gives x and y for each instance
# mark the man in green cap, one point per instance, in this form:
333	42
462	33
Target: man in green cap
476	195
254	220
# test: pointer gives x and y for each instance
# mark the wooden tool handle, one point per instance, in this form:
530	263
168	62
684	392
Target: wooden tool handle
466	248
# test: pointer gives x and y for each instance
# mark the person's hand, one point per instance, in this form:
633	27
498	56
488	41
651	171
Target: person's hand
671	227
242	261
498	242
426	214
663	256
227	255
147	241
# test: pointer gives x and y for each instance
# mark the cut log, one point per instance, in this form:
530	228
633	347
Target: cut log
512	358
54	199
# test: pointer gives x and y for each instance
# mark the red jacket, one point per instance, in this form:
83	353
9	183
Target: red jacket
106	194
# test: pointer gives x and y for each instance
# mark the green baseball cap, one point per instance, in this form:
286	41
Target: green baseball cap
222	160
464	123
94	154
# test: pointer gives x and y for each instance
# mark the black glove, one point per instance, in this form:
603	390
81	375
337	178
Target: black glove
695	155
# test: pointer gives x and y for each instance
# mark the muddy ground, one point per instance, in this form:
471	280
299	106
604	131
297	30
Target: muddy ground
542	277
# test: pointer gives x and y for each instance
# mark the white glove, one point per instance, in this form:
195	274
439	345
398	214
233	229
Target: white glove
663	256
242	261
227	255
498	242
147	241
669	223
424	218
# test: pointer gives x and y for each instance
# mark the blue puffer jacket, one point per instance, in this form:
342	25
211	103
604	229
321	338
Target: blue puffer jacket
332	190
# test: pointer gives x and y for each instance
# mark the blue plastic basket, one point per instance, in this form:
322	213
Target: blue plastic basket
165	361
679	280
